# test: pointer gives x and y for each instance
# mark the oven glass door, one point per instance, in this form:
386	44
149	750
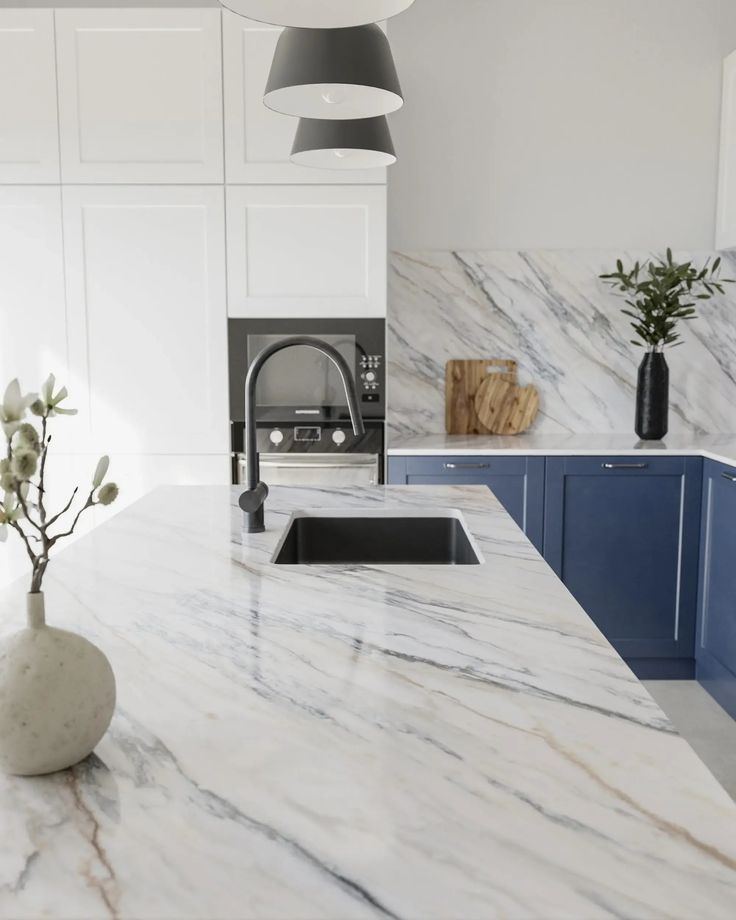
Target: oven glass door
302	377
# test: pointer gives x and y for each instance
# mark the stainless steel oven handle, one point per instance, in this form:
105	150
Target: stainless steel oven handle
315	461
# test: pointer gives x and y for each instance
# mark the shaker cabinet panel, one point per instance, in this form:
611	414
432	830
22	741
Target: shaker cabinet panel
622	534
257	140
147	316
306	251
32	304
29	134
715	649
517	482
726	209
140	95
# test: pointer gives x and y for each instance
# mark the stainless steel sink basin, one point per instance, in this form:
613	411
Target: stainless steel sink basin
438	538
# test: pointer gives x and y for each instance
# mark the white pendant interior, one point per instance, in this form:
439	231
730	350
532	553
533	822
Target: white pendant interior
318	14
333	101
343	158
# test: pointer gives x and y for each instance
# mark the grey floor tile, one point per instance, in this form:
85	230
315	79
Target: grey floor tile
707	728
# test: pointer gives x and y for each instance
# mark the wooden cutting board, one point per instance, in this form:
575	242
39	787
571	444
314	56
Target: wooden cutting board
505	408
462	379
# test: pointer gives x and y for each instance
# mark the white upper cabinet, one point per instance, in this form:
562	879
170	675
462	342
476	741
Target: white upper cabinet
145	271
140	95
32	306
29	134
301	251
257	140
726	219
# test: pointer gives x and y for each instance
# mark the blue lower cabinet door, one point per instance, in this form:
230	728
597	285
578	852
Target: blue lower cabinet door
715	649
623	533
517	482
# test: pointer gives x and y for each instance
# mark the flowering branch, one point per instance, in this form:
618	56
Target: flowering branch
26	456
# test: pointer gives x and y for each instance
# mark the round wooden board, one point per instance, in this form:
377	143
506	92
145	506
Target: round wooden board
505	408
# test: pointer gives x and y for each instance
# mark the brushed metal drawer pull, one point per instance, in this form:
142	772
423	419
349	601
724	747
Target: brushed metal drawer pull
729	477
624	466
466	466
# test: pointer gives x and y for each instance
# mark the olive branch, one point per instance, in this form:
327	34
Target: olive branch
661	292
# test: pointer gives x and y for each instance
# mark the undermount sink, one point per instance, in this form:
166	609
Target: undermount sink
388	538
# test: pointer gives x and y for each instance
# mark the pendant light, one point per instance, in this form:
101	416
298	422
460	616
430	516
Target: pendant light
333	73
317	14
363	143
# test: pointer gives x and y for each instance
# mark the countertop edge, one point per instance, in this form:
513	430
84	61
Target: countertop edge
485	450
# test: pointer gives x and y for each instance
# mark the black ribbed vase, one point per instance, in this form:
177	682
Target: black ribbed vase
652	397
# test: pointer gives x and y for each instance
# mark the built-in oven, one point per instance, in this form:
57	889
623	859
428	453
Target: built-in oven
303	424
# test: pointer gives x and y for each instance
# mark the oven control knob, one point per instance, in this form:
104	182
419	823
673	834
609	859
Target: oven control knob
370	376
338	437
276	436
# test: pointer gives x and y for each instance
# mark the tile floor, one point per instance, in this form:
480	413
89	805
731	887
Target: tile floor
707	728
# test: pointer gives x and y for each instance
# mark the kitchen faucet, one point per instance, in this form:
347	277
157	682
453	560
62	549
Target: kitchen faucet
252	501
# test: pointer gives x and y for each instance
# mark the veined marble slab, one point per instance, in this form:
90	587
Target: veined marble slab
550	312
354	742
721	448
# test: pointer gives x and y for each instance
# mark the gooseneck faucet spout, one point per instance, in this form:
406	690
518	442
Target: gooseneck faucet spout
252	501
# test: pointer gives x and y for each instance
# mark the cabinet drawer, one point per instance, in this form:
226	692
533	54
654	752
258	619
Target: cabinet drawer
471	466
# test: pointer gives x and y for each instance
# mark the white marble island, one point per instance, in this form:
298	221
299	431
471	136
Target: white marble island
316	742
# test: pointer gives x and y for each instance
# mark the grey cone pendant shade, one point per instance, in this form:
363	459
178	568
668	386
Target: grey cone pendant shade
333	73
363	143
317	14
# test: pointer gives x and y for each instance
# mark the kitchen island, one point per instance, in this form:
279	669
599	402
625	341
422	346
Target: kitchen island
354	741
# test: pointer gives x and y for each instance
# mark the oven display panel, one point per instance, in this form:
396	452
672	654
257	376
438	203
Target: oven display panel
307	434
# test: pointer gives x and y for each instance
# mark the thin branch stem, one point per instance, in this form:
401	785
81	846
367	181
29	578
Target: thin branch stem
67	533
29	549
41	483
26	512
55	518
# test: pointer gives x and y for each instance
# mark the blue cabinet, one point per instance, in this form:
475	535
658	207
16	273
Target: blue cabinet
623	535
517	482
715	646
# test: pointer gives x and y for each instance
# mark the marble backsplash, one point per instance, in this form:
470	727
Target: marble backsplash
548	311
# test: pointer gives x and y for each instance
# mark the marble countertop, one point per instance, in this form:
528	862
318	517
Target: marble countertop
354	742
720	447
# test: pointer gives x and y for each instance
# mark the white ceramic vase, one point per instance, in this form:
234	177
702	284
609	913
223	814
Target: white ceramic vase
57	696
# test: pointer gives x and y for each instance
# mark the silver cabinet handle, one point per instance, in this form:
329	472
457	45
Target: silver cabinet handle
466	466
624	466
729	476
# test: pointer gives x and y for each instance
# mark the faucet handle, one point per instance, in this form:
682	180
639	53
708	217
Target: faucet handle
252	499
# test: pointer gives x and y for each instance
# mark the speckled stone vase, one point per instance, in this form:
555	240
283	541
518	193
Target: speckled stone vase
57	696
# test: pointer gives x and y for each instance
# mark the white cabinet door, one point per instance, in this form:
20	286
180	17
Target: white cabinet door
726	219
300	251
145	273
140	95
257	140
32	306
29	136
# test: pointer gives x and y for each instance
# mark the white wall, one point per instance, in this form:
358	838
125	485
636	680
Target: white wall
558	123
